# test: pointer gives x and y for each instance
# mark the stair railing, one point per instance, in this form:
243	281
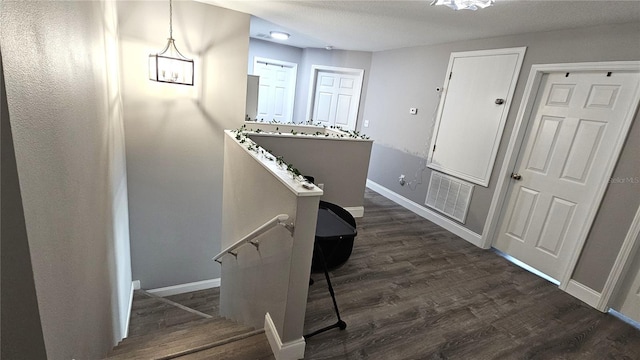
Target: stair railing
249	238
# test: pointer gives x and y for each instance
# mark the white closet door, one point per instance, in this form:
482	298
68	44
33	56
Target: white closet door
477	95
277	89
335	100
577	118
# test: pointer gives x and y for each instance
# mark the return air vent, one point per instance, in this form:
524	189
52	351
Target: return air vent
449	196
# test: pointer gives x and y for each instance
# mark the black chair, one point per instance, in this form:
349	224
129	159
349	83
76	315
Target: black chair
335	232
336	252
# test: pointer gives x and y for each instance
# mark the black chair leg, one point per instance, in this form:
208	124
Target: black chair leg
339	324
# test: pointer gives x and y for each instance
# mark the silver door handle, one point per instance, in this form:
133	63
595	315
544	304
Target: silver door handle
516	176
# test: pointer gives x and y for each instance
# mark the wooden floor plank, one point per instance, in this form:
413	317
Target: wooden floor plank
412	290
252	348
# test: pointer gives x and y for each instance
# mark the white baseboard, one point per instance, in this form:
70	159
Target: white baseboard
292	350
583	292
185	288
125	332
470	236
356	211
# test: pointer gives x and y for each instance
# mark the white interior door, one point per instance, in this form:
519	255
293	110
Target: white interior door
577	118
277	89
336	97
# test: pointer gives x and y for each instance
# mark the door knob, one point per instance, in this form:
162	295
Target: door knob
516	176
499	101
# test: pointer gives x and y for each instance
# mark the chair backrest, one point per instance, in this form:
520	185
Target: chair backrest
340	211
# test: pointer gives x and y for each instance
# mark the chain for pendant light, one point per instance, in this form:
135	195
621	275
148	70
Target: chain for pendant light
169	65
170	20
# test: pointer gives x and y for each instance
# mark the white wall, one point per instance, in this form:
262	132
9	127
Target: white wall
174	135
63	97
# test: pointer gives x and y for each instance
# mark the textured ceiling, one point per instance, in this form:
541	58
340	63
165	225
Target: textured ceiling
383	25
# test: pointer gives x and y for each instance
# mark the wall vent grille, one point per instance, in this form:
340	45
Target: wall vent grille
449	196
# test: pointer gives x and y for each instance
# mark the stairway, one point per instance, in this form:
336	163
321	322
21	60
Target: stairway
204	338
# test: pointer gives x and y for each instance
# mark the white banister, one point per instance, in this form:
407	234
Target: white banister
249	238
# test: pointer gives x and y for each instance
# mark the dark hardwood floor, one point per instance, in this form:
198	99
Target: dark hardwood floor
412	290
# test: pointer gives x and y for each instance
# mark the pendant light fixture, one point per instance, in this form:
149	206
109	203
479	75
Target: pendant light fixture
169	65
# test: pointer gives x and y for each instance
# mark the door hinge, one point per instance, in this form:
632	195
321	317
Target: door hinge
434	148
450	74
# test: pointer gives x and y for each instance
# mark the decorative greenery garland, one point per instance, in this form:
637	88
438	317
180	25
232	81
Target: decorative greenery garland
241	136
349	133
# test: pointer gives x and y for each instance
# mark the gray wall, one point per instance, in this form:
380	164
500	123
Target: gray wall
271	50
391	163
20	327
305	58
344	177
614	217
408	77
63	96
174	136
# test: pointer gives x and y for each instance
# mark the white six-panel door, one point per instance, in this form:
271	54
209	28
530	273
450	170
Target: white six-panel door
577	118
336	99
276	91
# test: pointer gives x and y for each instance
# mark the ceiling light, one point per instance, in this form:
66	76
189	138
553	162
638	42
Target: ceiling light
464	4
279	35
169	65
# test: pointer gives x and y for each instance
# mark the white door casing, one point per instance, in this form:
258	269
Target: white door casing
277	89
334	97
629	296
334	103
624	260
565	158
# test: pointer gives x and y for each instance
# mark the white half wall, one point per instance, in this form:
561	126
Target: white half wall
339	164
274	278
